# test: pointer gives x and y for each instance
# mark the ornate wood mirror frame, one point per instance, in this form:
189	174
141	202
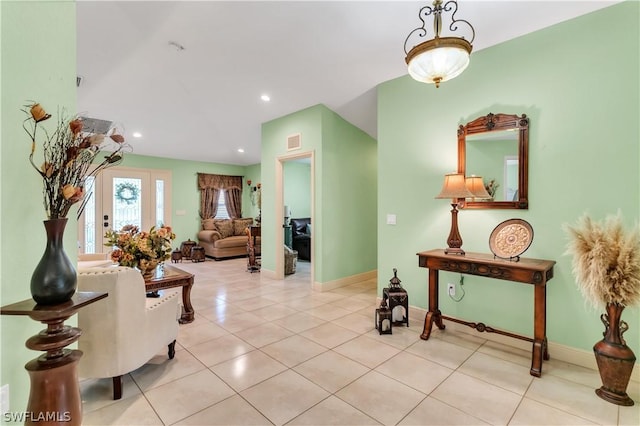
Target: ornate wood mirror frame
496	126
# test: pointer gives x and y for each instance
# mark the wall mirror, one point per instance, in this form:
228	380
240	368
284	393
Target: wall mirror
496	147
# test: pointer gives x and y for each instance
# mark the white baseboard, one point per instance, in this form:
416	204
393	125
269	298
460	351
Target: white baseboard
268	274
341	282
557	351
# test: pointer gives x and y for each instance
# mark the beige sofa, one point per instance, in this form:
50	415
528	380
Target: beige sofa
223	238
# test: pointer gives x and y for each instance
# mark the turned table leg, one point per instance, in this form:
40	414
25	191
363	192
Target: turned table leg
434	315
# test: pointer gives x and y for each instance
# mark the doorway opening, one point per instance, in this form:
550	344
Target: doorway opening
295	189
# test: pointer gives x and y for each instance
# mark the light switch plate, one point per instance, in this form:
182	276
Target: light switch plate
391	219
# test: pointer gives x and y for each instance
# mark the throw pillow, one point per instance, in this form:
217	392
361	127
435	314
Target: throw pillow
225	227
240	226
209	225
308	229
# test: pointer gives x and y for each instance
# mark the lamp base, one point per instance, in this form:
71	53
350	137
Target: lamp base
454	250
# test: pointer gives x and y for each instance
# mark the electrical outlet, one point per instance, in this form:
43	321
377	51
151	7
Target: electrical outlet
451	289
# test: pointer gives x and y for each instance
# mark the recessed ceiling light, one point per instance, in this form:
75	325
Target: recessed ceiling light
265	98
137	134
240	150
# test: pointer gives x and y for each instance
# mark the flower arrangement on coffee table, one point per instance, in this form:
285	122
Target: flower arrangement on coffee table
140	249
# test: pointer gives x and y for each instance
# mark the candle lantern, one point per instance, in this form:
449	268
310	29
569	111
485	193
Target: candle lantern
398	300
383	320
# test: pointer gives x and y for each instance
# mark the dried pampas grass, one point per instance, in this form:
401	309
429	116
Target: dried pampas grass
606	260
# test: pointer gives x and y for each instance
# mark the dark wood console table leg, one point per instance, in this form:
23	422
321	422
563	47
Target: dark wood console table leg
434	314
539	351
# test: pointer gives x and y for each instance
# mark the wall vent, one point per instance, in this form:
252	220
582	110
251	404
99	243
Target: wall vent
294	142
95	125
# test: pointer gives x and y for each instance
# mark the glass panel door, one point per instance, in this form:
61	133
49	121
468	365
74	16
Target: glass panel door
122	196
126	199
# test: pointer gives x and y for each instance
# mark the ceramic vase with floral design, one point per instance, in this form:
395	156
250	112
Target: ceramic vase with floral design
54	280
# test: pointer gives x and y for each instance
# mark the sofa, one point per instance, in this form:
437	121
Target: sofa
225	238
301	237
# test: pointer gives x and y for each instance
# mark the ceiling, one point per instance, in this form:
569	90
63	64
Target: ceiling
189	75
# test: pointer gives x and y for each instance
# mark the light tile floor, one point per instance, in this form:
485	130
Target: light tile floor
264	352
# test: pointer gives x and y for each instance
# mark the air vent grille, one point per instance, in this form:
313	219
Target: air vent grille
95	125
294	142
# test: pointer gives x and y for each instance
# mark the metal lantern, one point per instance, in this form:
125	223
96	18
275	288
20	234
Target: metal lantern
383	319
398	300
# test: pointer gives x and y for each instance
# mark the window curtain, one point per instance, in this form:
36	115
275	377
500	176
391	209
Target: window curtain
209	203
233	200
210	186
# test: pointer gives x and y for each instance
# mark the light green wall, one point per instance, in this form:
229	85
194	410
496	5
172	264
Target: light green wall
349	177
297	188
38	63
345	237
274	136
185	193
584	138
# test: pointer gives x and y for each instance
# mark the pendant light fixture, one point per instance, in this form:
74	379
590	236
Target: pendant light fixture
439	58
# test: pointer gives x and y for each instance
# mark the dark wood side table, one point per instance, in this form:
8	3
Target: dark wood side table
527	271
54	397
252	259
170	277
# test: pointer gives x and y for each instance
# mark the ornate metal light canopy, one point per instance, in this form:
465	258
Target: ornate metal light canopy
440	58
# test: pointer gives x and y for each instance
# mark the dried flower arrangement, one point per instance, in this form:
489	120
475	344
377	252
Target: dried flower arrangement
606	260
69	157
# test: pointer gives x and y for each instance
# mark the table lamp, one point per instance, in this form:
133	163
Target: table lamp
475	185
454	187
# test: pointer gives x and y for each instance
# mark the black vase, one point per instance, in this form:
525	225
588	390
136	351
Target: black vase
615	359
54	280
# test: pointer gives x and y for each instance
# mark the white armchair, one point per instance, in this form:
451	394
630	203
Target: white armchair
125	330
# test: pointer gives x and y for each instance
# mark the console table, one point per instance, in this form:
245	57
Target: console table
54	396
528	271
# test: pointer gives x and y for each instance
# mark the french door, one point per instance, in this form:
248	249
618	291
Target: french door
123	196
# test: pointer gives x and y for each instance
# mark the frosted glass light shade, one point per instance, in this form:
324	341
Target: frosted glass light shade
454	187
475	184
438	59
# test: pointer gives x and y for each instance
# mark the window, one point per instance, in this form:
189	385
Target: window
222	212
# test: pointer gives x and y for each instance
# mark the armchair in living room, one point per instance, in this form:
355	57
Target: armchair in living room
301	237
126	329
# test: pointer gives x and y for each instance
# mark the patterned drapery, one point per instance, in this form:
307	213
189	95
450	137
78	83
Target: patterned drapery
209	203
233	200
210	186
206	180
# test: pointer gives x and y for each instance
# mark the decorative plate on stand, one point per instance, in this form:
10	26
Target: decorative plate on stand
511	238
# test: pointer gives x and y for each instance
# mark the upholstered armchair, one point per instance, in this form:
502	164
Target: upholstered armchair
91	260
126	329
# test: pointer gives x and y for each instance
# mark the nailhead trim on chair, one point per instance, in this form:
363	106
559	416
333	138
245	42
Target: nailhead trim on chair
164	299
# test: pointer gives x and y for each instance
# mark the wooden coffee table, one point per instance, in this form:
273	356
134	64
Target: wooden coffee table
173	277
